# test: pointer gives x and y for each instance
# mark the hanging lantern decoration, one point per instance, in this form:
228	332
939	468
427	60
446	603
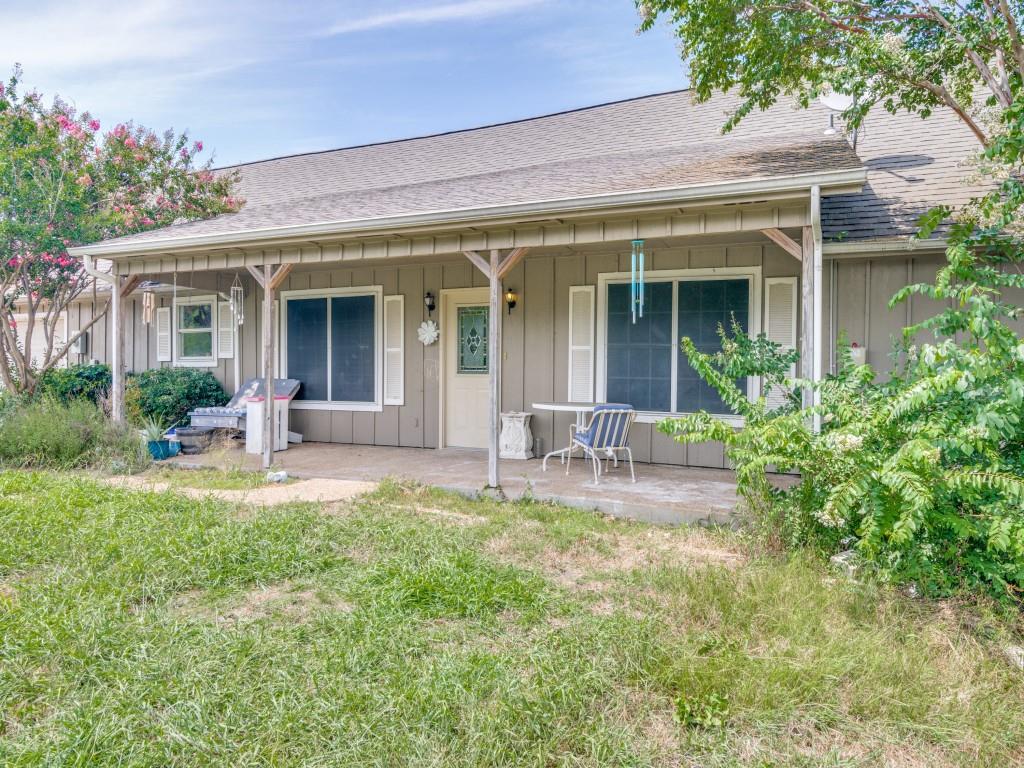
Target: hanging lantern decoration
148	303
237	299
637	279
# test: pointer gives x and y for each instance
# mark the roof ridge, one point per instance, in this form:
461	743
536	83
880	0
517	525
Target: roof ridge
453	131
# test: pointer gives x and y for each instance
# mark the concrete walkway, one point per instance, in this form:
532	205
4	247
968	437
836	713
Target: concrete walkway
662	494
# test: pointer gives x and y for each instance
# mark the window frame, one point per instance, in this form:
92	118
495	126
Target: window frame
754	311
179	360
377	291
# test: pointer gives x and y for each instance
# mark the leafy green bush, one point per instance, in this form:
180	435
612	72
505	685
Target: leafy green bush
168	394
89	380
45	432
922	473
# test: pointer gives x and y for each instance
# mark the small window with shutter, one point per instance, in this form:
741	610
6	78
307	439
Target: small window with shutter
581	343
195	332
394	350
163	334
780	324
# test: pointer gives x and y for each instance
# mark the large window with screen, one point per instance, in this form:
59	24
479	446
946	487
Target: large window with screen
645	366
332	347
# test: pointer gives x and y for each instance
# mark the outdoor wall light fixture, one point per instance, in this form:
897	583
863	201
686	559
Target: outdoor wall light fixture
511	299
428	302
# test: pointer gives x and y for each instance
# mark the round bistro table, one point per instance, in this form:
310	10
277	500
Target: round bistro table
580	409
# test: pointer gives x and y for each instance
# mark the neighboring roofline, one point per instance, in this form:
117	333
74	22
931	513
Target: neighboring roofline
452	132
842	180
852	248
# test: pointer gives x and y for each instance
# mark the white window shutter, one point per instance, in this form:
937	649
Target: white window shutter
394	350
581	343
163	334
780	324
225	330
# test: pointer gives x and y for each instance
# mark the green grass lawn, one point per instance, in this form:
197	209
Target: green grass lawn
418	628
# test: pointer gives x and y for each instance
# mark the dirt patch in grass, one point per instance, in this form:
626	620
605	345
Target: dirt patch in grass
810	742
588	561
314	490
442	515
282	600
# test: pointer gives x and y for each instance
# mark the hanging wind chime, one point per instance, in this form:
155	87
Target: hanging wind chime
148	304
636	282
237	299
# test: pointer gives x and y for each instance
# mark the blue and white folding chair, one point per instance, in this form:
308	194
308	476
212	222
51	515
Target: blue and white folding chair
605	437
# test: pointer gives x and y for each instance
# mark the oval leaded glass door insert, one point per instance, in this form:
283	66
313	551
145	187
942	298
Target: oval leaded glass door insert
473	339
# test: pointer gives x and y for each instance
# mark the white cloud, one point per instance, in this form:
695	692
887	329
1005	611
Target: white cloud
72	35
467	10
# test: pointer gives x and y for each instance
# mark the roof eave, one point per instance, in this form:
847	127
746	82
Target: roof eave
901	244
830	182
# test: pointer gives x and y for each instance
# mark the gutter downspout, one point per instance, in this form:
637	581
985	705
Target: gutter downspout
117	351
819	299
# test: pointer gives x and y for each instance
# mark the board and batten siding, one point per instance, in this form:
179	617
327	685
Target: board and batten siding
535	334
140	342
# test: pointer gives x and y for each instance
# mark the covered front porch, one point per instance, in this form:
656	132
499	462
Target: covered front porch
342	311
662	494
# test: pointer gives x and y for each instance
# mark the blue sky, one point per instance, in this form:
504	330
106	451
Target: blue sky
256	79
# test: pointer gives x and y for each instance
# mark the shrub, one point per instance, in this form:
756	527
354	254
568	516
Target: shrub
48	433
922	473
89	380
168	394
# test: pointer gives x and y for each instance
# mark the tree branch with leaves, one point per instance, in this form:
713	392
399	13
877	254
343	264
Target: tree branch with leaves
64	182
905	55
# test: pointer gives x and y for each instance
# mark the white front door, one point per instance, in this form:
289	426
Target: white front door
466	383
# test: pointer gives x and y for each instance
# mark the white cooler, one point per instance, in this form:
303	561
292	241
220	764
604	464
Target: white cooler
254	424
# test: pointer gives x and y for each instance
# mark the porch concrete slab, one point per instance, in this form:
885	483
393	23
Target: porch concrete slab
662	494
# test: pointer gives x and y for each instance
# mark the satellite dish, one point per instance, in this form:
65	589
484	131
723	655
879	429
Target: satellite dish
837	102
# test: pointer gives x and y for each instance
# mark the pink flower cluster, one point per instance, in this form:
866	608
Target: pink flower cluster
53	260
70	126
57	260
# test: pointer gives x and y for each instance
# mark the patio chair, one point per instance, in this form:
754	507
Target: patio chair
605	437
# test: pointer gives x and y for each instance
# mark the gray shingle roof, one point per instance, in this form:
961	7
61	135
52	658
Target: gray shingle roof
651	142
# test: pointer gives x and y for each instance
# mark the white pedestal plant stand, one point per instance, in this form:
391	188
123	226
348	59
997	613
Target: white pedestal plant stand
516	437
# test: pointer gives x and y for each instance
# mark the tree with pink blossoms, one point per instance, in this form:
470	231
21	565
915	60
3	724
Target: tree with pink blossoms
65	182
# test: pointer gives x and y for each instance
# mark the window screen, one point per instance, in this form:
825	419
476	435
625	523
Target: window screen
195	330
640	355
703	306
353	362
307	346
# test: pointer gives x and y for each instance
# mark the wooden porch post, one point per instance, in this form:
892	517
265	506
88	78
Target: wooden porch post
817	362
268	367
117	352
807	318
494	269
120	289
494	373
808	253
269	280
